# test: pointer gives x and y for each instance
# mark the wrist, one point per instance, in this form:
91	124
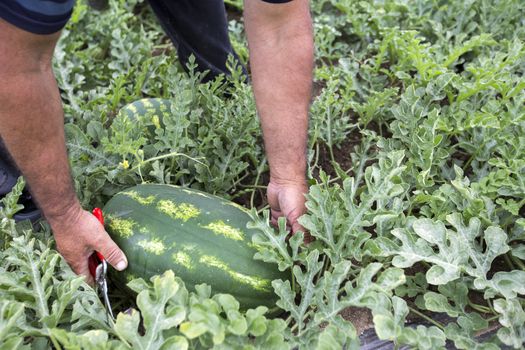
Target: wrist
290	174
296	180
64	215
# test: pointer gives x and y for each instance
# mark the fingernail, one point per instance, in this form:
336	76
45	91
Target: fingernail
122	264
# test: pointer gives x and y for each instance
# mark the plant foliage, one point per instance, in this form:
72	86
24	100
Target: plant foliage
416	203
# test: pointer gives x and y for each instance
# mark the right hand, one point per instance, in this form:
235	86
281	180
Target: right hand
287	199
78	234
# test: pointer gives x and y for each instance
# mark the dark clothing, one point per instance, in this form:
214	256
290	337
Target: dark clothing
50	16
196	27
38	17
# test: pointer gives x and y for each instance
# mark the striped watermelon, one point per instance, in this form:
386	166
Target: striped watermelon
202	238
150	111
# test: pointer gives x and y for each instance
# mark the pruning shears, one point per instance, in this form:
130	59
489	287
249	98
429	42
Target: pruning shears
98	267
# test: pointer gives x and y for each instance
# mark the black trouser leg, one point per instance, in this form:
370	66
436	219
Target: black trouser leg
9	174
8	171
197	27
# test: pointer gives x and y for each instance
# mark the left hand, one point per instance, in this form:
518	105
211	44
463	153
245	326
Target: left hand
288	199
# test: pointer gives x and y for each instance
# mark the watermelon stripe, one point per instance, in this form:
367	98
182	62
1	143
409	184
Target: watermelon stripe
142	200
255	282
153	246
183	211
183	258
220	228
123	227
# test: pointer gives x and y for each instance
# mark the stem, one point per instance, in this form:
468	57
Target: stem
237	182
321	272
331	150
426	318
316	155
262	187
172	154
305	316
480	308
518	262
493	318
491	306
267	206
288	319
293	281
252	197
508	261
55	343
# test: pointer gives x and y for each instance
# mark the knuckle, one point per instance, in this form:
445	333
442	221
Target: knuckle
112	254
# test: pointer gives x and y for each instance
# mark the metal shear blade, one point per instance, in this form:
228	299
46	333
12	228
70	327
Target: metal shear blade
102	285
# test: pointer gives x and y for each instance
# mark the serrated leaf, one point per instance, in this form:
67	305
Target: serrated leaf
512	318
158	316
272	247
338	218
95	339
462	333
508	284
457	250
12	323
306	283
439	303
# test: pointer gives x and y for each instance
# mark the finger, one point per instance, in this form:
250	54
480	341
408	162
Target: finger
82	268
88	278
296	227
112	253
275	215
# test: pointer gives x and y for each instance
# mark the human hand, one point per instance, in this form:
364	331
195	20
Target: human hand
78	234
288	199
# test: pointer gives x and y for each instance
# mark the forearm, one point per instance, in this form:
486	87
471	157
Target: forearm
281	60
31	126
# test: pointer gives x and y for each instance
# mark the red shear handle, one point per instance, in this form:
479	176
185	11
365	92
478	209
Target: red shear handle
98	214
96	258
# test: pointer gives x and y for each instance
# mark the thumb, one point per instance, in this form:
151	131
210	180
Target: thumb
112	253
296	227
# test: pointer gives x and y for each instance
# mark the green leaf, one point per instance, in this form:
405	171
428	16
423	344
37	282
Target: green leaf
176	343
12	323
338	218
518	251
439	303
331	338
463	332
389	325
95	339
512	318
157	315
457	250
306	283
272	247
508	284
423	337
256	321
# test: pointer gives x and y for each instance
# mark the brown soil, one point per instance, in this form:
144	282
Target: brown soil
341	154
361	318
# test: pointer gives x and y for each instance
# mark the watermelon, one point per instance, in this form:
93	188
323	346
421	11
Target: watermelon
149	111
201	237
